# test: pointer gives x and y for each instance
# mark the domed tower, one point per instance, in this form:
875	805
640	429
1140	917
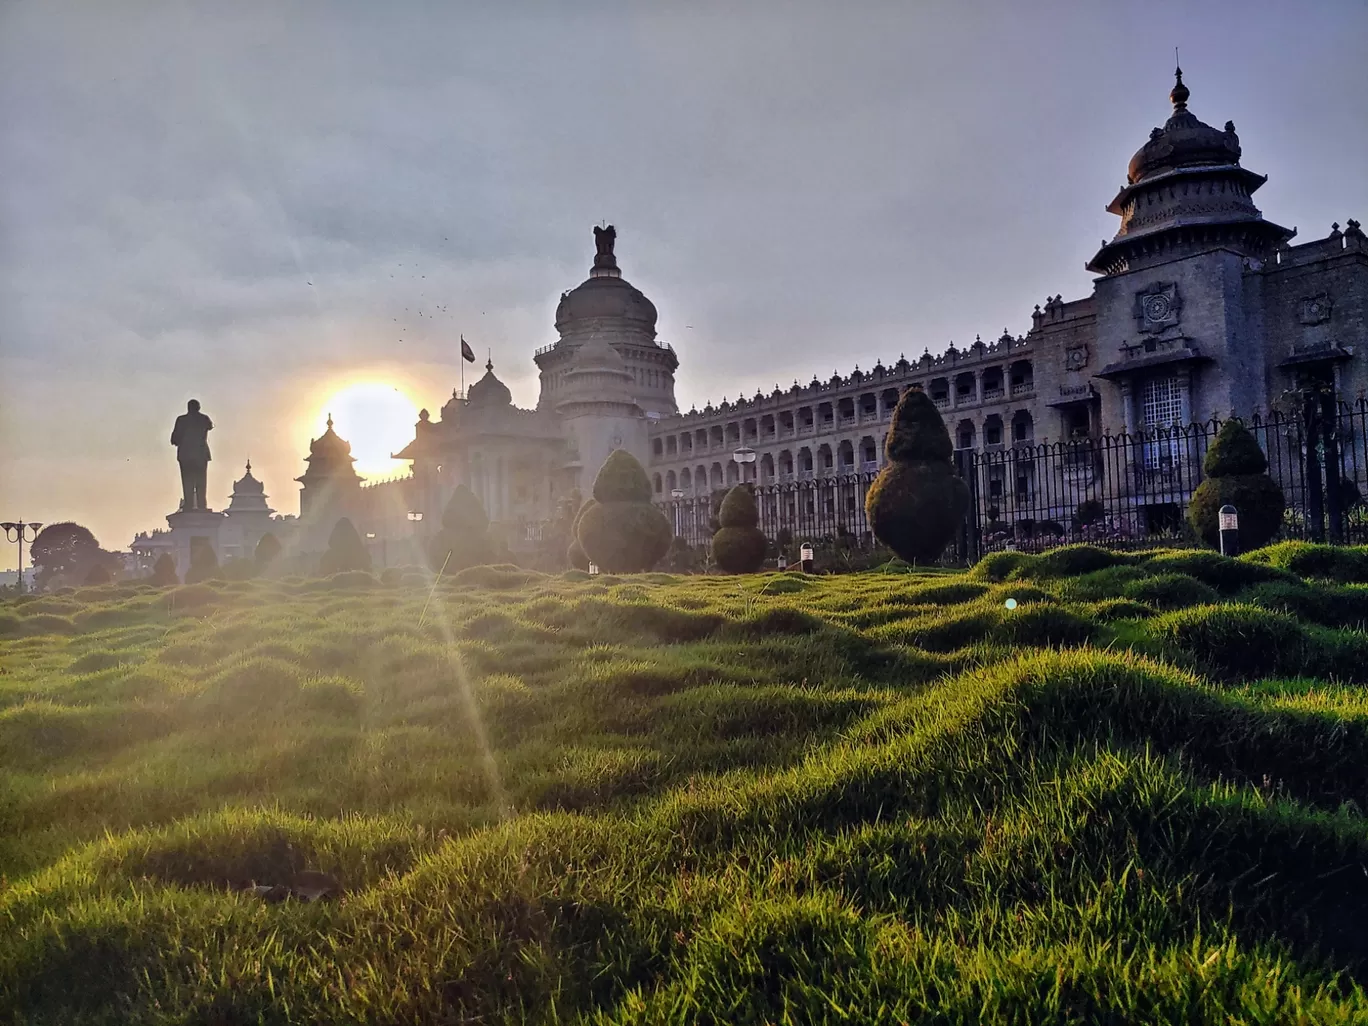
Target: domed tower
599	411
249	497
1186	191
607	307
331	486
1180	332
246	519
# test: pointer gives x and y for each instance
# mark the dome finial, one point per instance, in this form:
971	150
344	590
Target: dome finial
329	421
1179	94
605	261
249	464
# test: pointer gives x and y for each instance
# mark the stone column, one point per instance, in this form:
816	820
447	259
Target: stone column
1184	376
1127	406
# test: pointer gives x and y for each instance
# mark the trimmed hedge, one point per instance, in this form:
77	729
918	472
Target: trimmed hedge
1235	469
464	537
739	545
345	551
917	502
164	572
622	531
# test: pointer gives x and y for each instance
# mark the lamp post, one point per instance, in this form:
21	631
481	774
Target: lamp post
742	458
18	531
1228	522
676	494
805	556
415	517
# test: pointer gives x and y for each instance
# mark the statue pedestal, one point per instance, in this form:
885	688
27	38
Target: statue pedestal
187	526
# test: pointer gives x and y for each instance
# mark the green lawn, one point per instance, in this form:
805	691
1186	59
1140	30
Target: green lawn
1138	796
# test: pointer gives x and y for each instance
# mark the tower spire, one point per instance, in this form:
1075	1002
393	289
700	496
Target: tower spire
1179	94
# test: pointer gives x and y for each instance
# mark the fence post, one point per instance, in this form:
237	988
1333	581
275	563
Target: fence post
1334	511
1315	508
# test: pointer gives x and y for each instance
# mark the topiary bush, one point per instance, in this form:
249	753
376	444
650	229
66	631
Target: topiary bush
464	536
98	574
1236	474
203	561
345	551
917	502
622	531
164	572
267	551
575	553
739	545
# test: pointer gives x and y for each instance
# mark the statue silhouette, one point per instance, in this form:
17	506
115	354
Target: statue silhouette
190	436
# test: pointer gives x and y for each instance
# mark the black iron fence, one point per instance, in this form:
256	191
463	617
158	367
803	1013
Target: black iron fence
1126	490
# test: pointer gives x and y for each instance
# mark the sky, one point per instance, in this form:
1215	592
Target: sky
259	204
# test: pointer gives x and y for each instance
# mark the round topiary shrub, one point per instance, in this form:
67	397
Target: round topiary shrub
164	572
917	502
575	556
1236	473
622	531
739	545
98	574
464	537
267	551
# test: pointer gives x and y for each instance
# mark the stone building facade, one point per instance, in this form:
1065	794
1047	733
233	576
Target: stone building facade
1202	308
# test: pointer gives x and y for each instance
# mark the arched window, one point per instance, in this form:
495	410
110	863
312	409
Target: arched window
686	479
658	486
670	481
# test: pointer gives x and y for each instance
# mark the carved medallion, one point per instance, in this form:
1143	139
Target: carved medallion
1158	307
1316	309
1076	357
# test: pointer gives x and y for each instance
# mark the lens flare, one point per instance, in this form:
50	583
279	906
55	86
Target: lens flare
377	419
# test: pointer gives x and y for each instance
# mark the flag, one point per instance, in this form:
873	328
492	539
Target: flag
466	352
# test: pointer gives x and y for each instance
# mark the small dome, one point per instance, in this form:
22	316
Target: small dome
248	485
489	390
1183	142
330	445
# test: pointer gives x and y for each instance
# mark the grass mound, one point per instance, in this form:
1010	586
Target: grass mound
1136	794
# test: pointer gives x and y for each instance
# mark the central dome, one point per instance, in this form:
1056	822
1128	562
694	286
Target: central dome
600	298
1183	142
605	296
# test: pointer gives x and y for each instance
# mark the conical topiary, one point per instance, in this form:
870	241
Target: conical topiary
739	545
345	550
464	536
98	574
164	572
267	551
623	532
1235	469
917	502
203	561
622	479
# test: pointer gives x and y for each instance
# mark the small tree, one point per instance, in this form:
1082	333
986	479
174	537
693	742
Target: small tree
346	551
623	532
1236	473
267	551
203	561
681	556
98	574
917	502
739	545
464	538
64	550
164	572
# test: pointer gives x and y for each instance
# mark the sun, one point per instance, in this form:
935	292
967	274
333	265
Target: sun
377	419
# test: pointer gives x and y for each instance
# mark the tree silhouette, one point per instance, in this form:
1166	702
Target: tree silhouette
345	550
63	551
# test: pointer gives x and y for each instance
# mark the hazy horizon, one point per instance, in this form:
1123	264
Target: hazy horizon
257	207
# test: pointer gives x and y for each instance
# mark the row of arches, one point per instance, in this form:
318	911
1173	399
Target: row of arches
807	462
966	388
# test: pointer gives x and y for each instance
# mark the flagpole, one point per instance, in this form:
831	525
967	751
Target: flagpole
461	361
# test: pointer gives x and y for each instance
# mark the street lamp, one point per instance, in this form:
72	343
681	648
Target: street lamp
21	532
676	494
742	458
415	515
